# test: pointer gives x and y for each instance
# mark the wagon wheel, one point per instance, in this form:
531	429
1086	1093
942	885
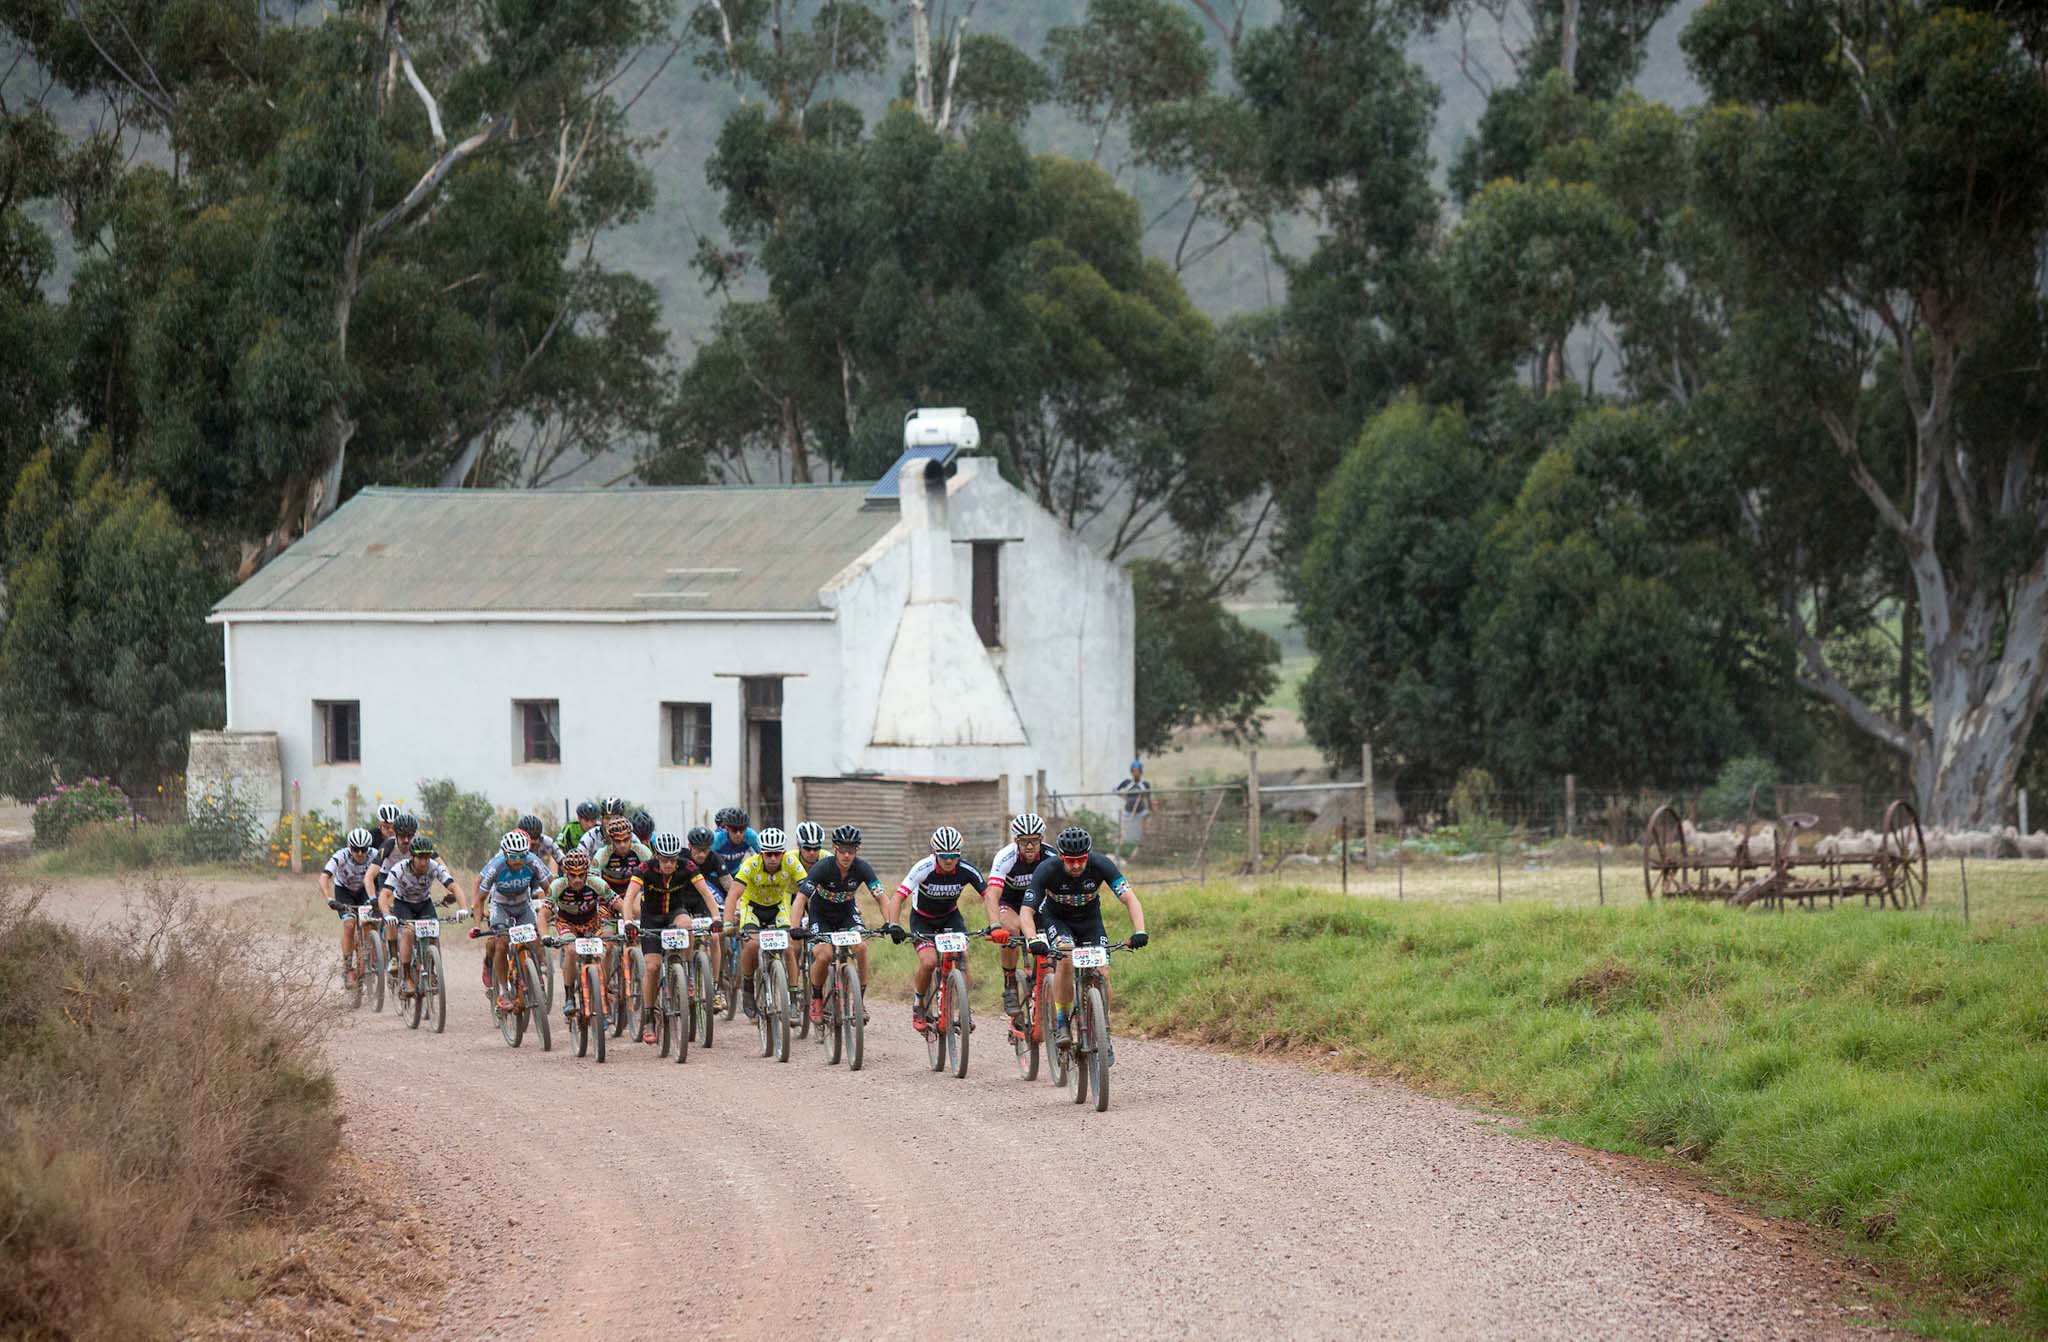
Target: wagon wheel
1664	856
1903	857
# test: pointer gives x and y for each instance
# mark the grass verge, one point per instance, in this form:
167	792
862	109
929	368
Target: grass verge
1883	1074
161	1092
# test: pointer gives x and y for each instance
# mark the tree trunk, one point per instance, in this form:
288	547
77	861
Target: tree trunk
793	436
921	58
1568	58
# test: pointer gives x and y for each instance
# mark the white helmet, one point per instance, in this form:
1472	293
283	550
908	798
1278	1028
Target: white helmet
515	842
946	841
387	814
1027	824
360	838
773	840
667	845
810	834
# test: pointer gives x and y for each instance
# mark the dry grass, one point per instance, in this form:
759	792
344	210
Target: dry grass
161	1090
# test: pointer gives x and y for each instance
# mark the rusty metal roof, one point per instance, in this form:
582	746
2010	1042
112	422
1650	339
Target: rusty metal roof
715	548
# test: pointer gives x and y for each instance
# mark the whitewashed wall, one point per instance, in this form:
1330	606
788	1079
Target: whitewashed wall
437	702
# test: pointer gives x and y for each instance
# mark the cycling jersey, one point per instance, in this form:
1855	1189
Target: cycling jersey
824	881
509	887
934	893
733	854
617	864
404	883
1052	887
1010	874
769	892
548	849
661	895
580	905
571	836
347	871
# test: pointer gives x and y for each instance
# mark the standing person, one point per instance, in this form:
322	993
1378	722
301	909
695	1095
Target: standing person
1137	798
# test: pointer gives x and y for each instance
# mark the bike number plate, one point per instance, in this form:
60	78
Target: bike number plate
1090	957
592	946
675	939
845	938
426	927
700	924
951	943
368	913
774	939
522	933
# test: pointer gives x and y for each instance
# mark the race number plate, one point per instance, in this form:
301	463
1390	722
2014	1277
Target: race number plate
700	924
951	943
774	938
1090	957
426	927
522	933
848	938
593	946
675	939
368	913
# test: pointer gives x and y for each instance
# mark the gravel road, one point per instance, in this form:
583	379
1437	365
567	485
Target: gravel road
1219	1197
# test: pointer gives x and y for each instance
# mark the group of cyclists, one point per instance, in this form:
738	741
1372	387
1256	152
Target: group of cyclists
608	869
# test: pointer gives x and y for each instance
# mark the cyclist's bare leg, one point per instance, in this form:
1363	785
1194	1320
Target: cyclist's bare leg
860	957
821	964
927	962
404	950
1006	918
650	979
500	968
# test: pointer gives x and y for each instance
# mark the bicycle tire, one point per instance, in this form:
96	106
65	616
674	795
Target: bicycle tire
416	1006
518	1012
433	965
934	1025
633	965
352	975
778	992
1024	1042
961	1024
547	981
830	1033
702	984
615	995
852	1016
536	1008
729	980
1098	1055
800	997
511	1024
675	1021
376	970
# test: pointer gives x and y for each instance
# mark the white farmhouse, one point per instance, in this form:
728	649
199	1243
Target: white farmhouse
689	648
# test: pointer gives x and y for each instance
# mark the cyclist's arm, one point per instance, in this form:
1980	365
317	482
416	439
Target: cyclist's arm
990	891
1027	916
632	898
1129	896
327	880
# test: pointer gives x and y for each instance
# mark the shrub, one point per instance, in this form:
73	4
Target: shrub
222	827
172	1091
1728	798
75	804
319	836
464	824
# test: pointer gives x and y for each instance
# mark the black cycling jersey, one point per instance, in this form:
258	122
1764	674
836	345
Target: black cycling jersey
825	881
1052	887
661	894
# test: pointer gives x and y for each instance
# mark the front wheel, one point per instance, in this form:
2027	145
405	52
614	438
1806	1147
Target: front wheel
373	969
511	1024
702	984
675	1012
1098	1046
778	993
852	1016
800	1000
961	1024
431	982
415	1007
1024	1038
535	1006
730	979
829	1033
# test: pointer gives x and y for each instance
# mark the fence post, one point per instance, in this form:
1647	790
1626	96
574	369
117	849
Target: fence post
1344	847
2023	812
1498	897
1571	804
1251	810
355	804
298	859
1400	869
1600	870
1963	865
1372	814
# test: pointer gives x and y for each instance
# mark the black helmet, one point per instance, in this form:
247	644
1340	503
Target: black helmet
847	834
424	847
586	811
732	817
531	824
699	837
643	826
406	825
1075	842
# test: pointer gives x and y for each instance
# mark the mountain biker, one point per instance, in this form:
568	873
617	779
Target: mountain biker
584	821
810	841
735	842
510	879
408	892
607	810
544	848
828	899
1065	901
934	887
580	906
617	860
342	882
764	887
1010	873
659	890
403	828
713	866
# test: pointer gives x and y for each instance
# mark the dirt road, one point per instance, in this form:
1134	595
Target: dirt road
1219	1197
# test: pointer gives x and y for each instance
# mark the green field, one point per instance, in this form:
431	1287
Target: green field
1882	1074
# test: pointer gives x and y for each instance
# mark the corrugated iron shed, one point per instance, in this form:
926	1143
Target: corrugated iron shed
718	548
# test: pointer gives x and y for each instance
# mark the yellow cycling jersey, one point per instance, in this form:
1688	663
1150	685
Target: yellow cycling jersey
766	888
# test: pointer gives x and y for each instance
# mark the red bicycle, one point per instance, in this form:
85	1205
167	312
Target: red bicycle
1028	1027
948	1016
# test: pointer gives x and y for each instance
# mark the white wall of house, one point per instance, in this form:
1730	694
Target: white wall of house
437	700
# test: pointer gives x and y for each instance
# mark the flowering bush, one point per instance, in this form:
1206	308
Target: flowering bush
319	836
222	827
75	804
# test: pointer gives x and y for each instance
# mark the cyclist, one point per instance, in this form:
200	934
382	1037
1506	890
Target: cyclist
594	837
580	906
402	828
735	842
408	892
585	821
510	880
716	870
1065	901
810	841
828	900
934	887
544	848
764	887
659	890
341	881
643	827
1010	874
617	861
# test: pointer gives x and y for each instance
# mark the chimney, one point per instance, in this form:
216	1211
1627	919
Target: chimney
931	538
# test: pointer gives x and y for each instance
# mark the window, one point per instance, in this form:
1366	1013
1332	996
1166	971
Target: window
341	730
988	596
540	734
764	697
688	730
